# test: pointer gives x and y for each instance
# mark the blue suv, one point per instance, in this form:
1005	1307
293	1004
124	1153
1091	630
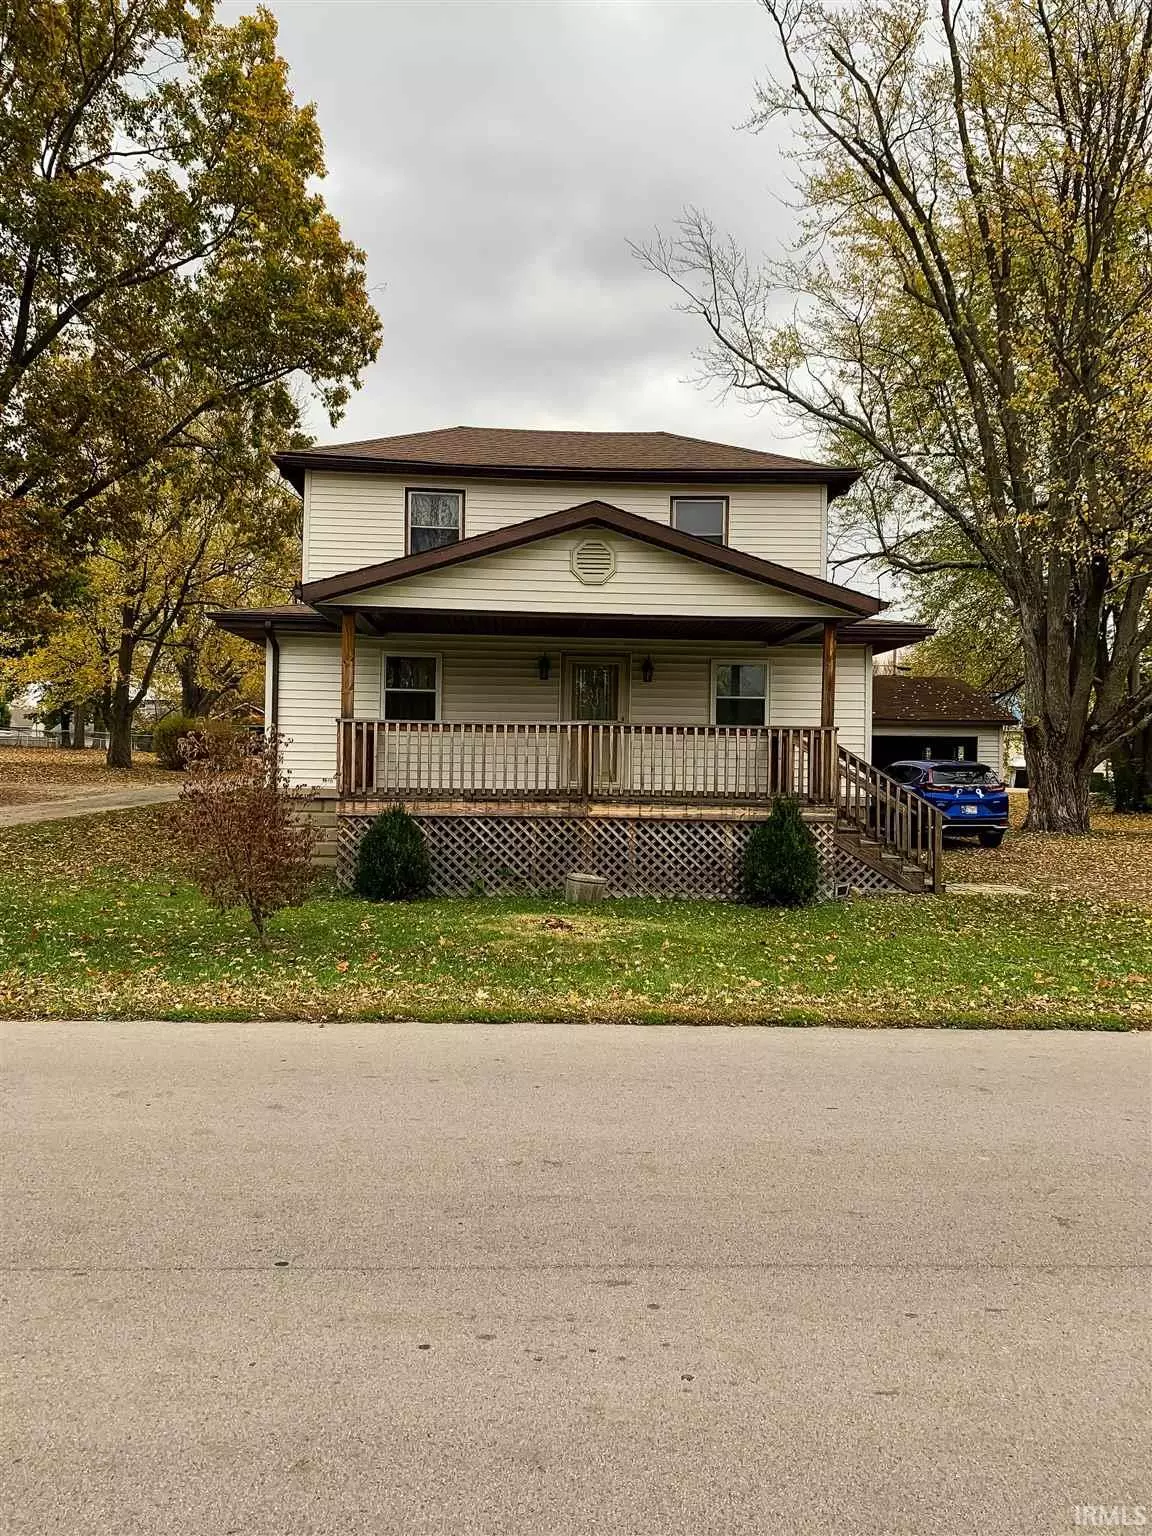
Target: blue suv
971	797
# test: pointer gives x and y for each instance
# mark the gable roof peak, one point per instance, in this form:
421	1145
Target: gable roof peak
585	514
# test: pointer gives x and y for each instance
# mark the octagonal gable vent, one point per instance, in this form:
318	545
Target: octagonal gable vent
593	562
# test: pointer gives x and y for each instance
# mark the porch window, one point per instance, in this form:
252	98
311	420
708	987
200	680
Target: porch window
435	518
410	688
741	693
705	517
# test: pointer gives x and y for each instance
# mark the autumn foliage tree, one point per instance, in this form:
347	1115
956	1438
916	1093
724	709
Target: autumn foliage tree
241	836
968	317
164	254
209	526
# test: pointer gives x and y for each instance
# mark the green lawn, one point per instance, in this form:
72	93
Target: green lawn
94	922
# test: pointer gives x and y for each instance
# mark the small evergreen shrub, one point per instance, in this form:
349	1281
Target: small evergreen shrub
392	864
781	865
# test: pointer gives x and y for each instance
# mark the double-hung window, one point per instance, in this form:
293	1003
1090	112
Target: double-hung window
705	517
411	689
740	693
435	518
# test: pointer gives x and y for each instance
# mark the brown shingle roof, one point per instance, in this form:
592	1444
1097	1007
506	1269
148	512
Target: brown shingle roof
509	451
900	700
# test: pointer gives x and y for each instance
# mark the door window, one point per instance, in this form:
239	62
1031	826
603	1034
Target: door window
596	690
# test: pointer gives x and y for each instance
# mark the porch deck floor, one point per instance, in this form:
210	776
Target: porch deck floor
606	810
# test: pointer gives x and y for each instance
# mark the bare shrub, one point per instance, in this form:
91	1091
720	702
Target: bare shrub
238	825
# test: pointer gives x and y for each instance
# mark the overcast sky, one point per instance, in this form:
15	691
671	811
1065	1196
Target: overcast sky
494	159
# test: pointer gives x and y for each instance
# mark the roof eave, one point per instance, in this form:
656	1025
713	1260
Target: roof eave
293	465
252	623
884	635
951	720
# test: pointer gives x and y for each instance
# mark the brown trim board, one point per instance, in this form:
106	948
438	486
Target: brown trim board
293	466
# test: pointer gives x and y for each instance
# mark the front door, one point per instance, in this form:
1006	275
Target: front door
595	698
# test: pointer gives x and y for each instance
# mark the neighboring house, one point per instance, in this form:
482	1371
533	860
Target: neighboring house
582	650
935	717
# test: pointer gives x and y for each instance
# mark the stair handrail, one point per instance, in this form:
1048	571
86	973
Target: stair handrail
880	807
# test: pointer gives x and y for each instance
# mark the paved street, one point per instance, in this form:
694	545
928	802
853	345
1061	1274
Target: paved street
273	1279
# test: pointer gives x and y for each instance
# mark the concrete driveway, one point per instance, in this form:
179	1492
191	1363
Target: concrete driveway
281	1279
72	803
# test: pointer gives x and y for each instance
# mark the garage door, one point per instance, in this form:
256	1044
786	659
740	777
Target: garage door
897	749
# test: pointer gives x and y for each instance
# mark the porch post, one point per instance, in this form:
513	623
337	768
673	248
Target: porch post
828	675
827	712
347	699
347	665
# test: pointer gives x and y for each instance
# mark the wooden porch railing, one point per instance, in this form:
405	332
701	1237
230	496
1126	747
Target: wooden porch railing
554	760
879	808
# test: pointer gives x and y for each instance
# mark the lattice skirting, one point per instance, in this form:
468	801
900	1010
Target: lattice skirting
855	878
532	855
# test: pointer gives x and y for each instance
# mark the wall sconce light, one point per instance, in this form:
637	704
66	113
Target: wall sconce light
647	670
544	668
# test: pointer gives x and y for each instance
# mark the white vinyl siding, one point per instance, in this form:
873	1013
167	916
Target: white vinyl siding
991	746
489	678
539	577
310	705
352	520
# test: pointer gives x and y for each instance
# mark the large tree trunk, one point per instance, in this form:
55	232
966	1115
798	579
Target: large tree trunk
194	701
1132	773
119	715
1058	784
119	706
1132	760
78	727
1059	662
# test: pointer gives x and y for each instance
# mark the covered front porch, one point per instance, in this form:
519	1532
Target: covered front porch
661	807
591	715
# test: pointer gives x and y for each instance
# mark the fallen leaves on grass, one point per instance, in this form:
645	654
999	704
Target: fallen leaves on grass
132	844
1102	866
59	766
94	922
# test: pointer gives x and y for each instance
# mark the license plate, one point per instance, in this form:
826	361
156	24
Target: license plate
970	810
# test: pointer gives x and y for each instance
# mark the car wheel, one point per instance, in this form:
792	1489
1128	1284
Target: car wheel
991	839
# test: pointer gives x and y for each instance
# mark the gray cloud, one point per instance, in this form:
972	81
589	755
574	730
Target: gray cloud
495	159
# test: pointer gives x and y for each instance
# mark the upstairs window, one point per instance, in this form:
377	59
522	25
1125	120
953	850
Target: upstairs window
410	688
705	517
435	518
740	693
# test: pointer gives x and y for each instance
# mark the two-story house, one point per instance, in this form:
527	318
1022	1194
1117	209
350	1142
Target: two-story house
594	650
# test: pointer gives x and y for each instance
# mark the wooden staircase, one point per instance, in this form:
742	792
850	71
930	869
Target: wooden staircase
885	826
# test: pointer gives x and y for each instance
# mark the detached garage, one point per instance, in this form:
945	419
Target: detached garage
935	717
